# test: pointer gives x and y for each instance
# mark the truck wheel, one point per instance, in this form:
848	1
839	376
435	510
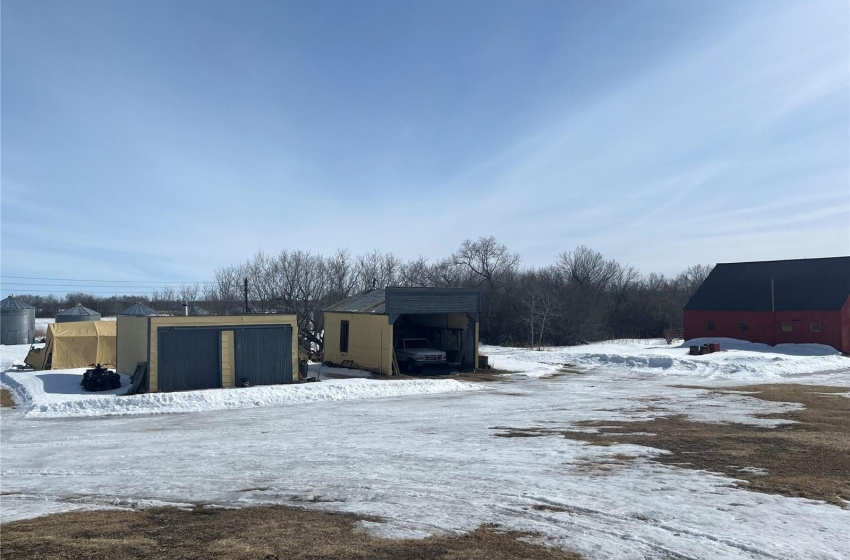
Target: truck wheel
411	365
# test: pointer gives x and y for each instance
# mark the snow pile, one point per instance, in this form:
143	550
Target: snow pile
57	394
738	360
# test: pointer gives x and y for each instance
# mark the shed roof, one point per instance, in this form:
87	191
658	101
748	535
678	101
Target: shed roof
395	301
798	285
11	302
78	309
371	301
138	310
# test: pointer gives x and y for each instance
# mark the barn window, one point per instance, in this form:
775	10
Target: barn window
787	327
742	326
709	325
343	336
815	327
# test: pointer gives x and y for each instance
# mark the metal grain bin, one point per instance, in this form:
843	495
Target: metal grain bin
76	314
138	310
17	321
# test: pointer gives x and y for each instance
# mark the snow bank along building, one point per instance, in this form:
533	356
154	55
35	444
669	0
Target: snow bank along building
187	353
774	302
362	331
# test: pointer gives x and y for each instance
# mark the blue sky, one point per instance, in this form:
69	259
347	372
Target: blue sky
159	140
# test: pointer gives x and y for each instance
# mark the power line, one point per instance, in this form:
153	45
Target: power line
102	280
62	291
63	286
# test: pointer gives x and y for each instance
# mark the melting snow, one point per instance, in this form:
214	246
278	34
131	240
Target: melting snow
430	462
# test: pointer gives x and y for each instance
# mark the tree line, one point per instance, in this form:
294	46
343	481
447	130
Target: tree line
582	297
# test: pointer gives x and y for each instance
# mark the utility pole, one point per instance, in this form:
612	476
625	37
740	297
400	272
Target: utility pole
246	296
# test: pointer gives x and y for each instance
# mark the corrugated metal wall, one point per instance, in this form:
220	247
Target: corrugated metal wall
263	355
189	359
432	300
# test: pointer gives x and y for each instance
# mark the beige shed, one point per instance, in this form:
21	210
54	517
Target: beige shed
363	330
189	353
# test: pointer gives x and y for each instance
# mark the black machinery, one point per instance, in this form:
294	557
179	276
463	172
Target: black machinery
100	378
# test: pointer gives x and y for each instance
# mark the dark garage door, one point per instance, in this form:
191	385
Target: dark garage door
264	355
188	359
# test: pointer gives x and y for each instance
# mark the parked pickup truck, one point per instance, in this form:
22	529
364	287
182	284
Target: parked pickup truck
413	353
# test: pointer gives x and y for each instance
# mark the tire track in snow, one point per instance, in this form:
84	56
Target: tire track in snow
553	518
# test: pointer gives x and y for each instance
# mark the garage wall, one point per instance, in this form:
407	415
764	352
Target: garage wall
370	339
453	321
228	359
227	347
445	320
132	343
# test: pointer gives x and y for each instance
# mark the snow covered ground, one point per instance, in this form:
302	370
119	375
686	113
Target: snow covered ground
431	462
737	361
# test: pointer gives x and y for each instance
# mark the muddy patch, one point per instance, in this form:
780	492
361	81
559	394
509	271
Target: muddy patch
254	533
6	399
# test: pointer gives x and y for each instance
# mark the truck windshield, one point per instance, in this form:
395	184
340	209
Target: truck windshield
417	343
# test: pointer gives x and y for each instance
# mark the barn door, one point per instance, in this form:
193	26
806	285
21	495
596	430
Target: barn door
263	355
189	359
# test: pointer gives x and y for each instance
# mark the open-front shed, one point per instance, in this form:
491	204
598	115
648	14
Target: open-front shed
189	353
363	330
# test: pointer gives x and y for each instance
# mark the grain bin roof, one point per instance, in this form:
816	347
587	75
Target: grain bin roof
138	310
78	310
12	302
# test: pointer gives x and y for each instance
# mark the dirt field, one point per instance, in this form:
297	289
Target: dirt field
274	533
810	458
6	398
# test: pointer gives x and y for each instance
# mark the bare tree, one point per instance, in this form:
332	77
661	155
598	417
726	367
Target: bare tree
224	293
188	293
341	277
415	274
693	277
377	270
487	259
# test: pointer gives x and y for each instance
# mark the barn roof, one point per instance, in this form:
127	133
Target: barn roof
798	285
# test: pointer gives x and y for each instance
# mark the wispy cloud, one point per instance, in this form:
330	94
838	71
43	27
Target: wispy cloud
729	142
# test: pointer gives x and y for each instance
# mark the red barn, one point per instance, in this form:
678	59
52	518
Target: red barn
774	302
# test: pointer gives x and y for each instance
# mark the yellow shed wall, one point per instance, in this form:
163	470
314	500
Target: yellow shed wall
132	343
228	358
370	341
